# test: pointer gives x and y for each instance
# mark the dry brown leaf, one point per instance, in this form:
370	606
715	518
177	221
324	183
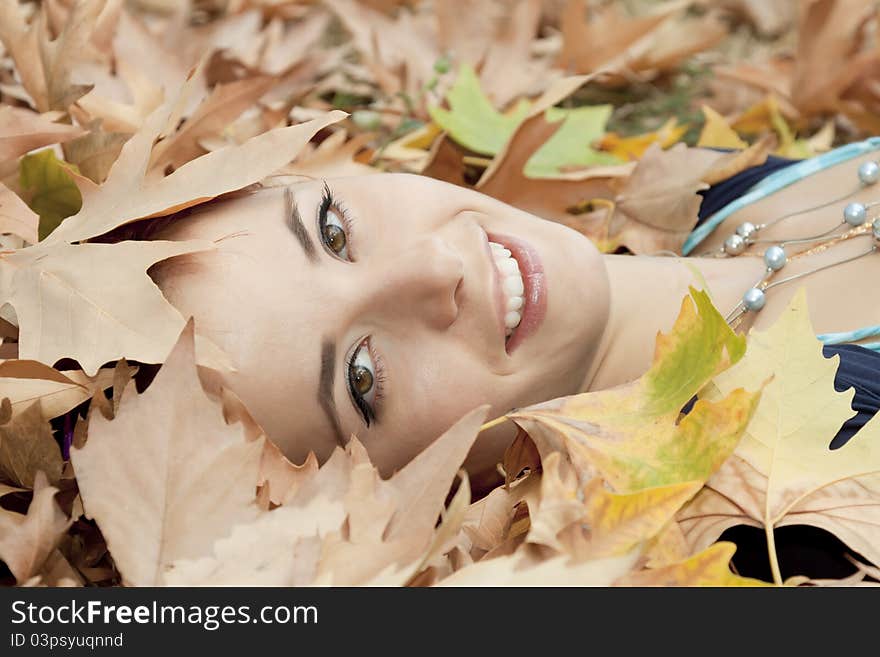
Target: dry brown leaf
223	105
22	130
27	541
530	567
281	548
16	217
332	158
167	476
345	525
25	381
657	207
601	37
27	446
94	302
129	194
828	57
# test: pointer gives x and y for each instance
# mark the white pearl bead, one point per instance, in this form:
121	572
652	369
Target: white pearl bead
854	214
746	229
869	173
754	299
734	245
875	228
774	258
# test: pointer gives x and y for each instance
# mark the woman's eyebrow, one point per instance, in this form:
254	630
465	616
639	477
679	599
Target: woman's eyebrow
325	388
294	221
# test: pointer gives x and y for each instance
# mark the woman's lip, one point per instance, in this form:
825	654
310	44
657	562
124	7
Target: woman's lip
534	295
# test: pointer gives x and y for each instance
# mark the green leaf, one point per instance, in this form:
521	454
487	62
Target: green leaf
572	144
472	121
631	434
54	194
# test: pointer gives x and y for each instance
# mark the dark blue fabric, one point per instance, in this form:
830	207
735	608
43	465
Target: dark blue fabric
720	194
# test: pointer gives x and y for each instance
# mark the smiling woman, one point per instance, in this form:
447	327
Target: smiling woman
388	306
396	303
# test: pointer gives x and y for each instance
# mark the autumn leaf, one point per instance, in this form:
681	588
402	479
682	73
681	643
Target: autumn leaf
389	525
128	194
24	382
472	120
27	446
717	133
708	568
783	472
634	147
53	193
82	298
167	476
22	130
629	434
571	147
650	214
16	217
26	541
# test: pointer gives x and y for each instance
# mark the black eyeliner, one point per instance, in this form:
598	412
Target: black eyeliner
368	414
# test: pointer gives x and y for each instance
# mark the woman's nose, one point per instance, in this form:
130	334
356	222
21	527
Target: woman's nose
421	281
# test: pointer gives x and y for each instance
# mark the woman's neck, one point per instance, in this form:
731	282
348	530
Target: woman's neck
646	295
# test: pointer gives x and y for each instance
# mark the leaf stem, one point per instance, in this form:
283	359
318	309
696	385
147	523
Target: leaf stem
771	552
493	423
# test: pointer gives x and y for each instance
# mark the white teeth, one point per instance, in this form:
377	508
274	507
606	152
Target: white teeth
507	267
513	286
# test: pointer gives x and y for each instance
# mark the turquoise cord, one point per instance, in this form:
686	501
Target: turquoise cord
779	180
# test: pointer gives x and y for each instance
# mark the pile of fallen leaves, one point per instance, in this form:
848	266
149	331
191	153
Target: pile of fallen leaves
112	112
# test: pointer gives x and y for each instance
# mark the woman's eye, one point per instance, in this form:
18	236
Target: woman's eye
362	381
333	234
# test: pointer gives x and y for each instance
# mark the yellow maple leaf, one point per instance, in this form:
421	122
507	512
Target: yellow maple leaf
717	133
783	472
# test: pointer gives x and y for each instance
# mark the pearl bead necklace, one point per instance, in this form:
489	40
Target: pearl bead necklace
855	217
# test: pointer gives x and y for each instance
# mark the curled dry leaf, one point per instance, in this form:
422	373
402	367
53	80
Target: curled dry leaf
784	472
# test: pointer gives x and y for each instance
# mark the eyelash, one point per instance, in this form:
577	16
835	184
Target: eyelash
328	200
367	411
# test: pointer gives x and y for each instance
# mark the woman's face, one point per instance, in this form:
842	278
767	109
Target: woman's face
379	306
